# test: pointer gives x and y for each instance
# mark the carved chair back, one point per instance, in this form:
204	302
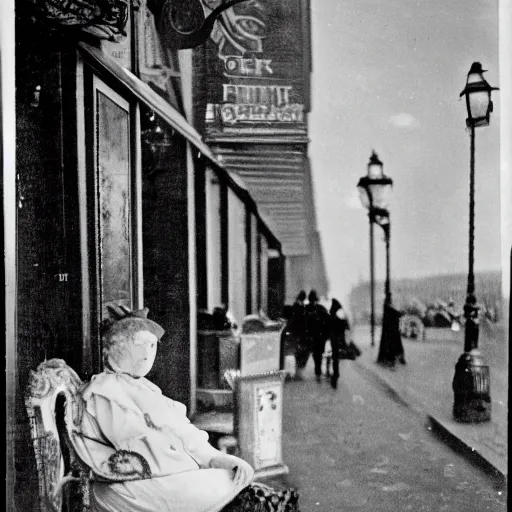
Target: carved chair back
51	384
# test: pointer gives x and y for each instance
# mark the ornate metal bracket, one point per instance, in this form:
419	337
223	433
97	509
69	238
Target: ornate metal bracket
104	19
183	24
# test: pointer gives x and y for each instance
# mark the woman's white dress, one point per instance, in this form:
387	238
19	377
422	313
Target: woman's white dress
145	454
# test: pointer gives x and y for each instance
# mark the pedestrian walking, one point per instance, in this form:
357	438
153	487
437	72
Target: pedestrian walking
317	330
296	331
339	324
391	348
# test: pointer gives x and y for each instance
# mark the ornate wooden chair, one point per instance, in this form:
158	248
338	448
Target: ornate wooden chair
52	408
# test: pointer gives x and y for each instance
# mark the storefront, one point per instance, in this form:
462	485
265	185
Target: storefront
233	257
108	173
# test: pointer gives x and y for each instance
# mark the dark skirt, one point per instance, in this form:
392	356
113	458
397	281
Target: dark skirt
261	498
301	357
302	349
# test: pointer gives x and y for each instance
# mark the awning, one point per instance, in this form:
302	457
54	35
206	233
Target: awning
277	177
171	116
140	89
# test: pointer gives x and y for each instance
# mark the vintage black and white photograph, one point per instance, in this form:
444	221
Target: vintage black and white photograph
257	254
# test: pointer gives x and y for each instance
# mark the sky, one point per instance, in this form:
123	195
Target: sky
387	75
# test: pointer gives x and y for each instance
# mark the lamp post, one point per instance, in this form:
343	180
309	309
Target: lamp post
381	217
391	348
374	191
471	382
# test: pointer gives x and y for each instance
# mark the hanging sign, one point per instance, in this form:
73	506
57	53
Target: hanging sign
183	24
255	70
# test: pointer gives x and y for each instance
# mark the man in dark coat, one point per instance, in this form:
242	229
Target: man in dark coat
317	330
338	325
296	329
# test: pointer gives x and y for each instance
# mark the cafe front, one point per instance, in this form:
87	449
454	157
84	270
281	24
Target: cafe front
107	209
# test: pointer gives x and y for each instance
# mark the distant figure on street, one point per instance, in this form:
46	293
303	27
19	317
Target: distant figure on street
338	326
391	349
317	330
296	329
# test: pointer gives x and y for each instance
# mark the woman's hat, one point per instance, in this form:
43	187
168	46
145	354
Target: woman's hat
129	322
335	305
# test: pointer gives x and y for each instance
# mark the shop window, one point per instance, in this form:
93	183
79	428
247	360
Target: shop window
110	206
114	199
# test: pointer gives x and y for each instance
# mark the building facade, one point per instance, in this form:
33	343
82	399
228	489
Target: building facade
118	199
252	98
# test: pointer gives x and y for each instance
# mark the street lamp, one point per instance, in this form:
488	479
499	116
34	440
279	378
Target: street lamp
391	348
381	217
374	192
471	382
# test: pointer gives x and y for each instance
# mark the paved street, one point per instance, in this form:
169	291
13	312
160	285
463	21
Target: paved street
358	448
425	383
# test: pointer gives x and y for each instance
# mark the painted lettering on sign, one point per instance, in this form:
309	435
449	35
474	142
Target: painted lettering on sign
235	66
257	94
232	113
256	103
255	77
240	29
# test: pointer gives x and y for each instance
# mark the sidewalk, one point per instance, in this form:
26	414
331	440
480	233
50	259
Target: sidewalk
425	385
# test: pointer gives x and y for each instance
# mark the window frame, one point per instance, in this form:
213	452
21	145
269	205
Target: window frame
89	84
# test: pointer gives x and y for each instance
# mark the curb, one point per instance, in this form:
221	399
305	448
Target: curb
470	452
443	432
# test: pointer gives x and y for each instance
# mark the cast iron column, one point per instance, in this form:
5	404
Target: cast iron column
372	279
391	348
387	234
471	382
471	308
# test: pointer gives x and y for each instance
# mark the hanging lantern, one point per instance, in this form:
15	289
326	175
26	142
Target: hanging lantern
375	188
157	143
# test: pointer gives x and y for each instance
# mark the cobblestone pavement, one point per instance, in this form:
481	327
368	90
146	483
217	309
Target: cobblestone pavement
360	448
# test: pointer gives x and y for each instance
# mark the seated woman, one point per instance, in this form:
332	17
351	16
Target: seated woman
143	451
